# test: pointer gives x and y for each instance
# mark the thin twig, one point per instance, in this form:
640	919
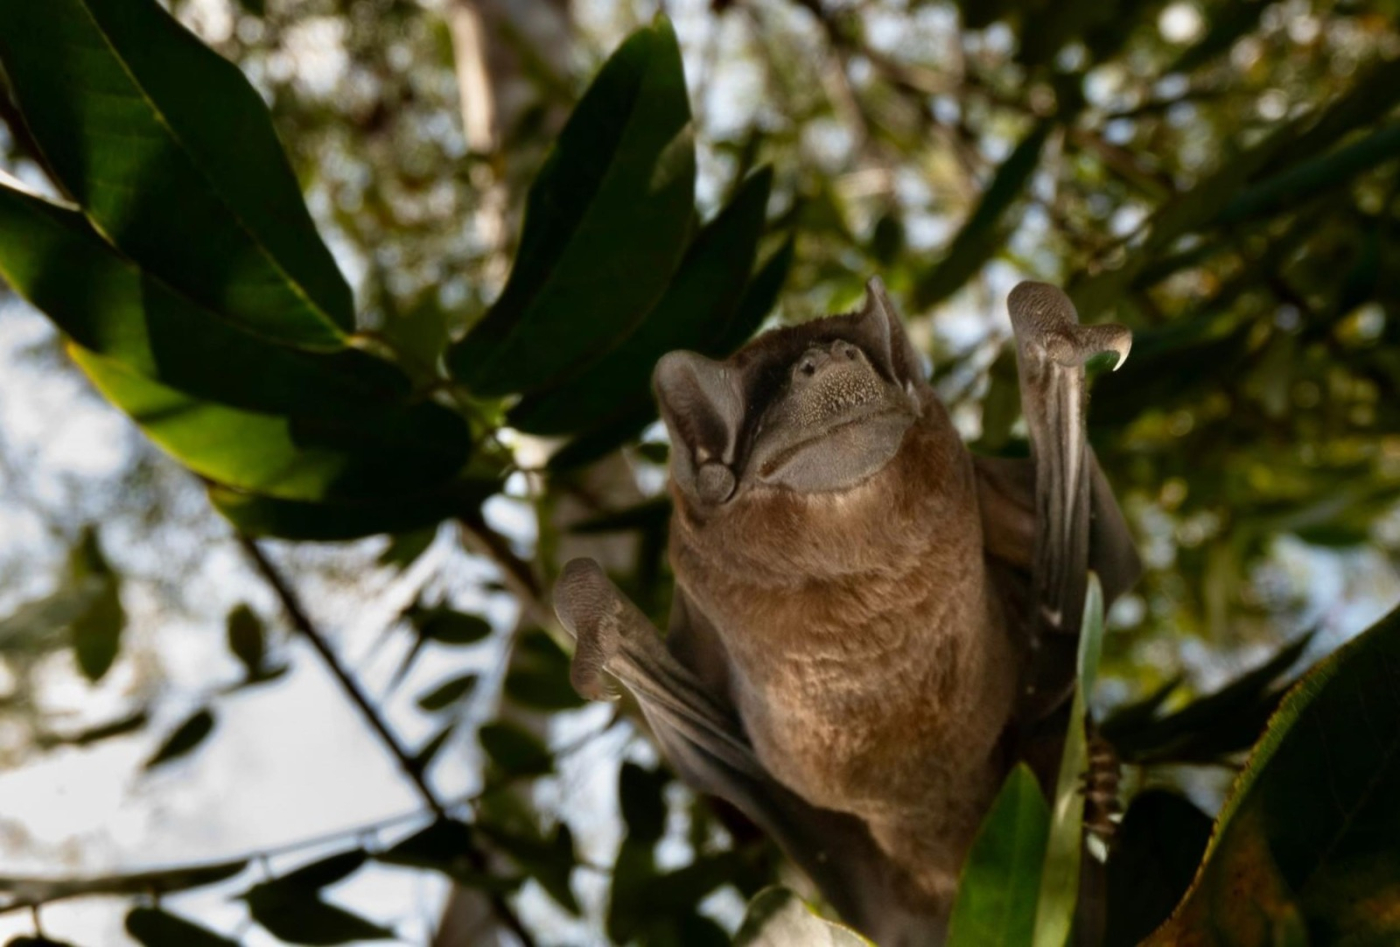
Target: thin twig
411	767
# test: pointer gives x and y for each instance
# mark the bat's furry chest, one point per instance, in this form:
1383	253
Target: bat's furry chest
873	712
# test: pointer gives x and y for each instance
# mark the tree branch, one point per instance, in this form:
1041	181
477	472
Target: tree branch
411	767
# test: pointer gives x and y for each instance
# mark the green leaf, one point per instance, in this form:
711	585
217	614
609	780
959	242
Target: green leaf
606	221
97	628
997	892
450	627
27	941
1059	880
1309	838
118	95
96	734
448	693
515	751
447	846
779	918
424	757
538	677
550	862
759	299
324	521
698	304
405	547
184	738
288	458
152	927
641	794
147	343
1155	853
247	638
985	230
302	918
327	871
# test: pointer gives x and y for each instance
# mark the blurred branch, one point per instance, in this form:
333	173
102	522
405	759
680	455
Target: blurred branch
407	761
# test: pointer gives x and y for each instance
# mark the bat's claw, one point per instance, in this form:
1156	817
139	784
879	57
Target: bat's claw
1101	788
591	611
1044	317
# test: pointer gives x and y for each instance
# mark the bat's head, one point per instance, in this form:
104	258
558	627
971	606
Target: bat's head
814	408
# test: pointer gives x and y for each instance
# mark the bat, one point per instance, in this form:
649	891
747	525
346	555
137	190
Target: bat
870	624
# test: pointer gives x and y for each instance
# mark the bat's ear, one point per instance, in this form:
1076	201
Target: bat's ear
702	404
880	333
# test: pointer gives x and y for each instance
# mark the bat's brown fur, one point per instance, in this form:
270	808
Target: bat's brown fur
867	656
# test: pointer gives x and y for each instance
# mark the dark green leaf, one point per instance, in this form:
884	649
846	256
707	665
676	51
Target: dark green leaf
302	918
230	405
641	793
1309	839
184	738
997	892
259	516
447	846
985	230
550	862
515	751
605	224
448	693
696	307
1155	853
405	548
97	632
759	299
424	758
327	871
117	93
152	927
27	941
247	638
538	677
106	731
446	626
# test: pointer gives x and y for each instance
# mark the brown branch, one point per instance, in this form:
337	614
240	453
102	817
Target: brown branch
412	767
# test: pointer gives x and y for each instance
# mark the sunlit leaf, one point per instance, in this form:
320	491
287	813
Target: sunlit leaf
118	93
1000	880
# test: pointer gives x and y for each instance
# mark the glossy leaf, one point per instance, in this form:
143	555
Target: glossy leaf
1308	843
696	308
1000	880
152	927
247	638
448	693
1059	879
606	222
1156	851
184	739
117	93
779	918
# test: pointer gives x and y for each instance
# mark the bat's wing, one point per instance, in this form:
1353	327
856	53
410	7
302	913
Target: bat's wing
1075	523
704	740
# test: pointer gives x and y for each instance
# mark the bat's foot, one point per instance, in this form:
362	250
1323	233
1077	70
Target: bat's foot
591	610
1043	317
1102	809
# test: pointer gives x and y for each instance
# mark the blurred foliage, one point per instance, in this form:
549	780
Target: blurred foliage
370	266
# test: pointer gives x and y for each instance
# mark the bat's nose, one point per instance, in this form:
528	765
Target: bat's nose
818	360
